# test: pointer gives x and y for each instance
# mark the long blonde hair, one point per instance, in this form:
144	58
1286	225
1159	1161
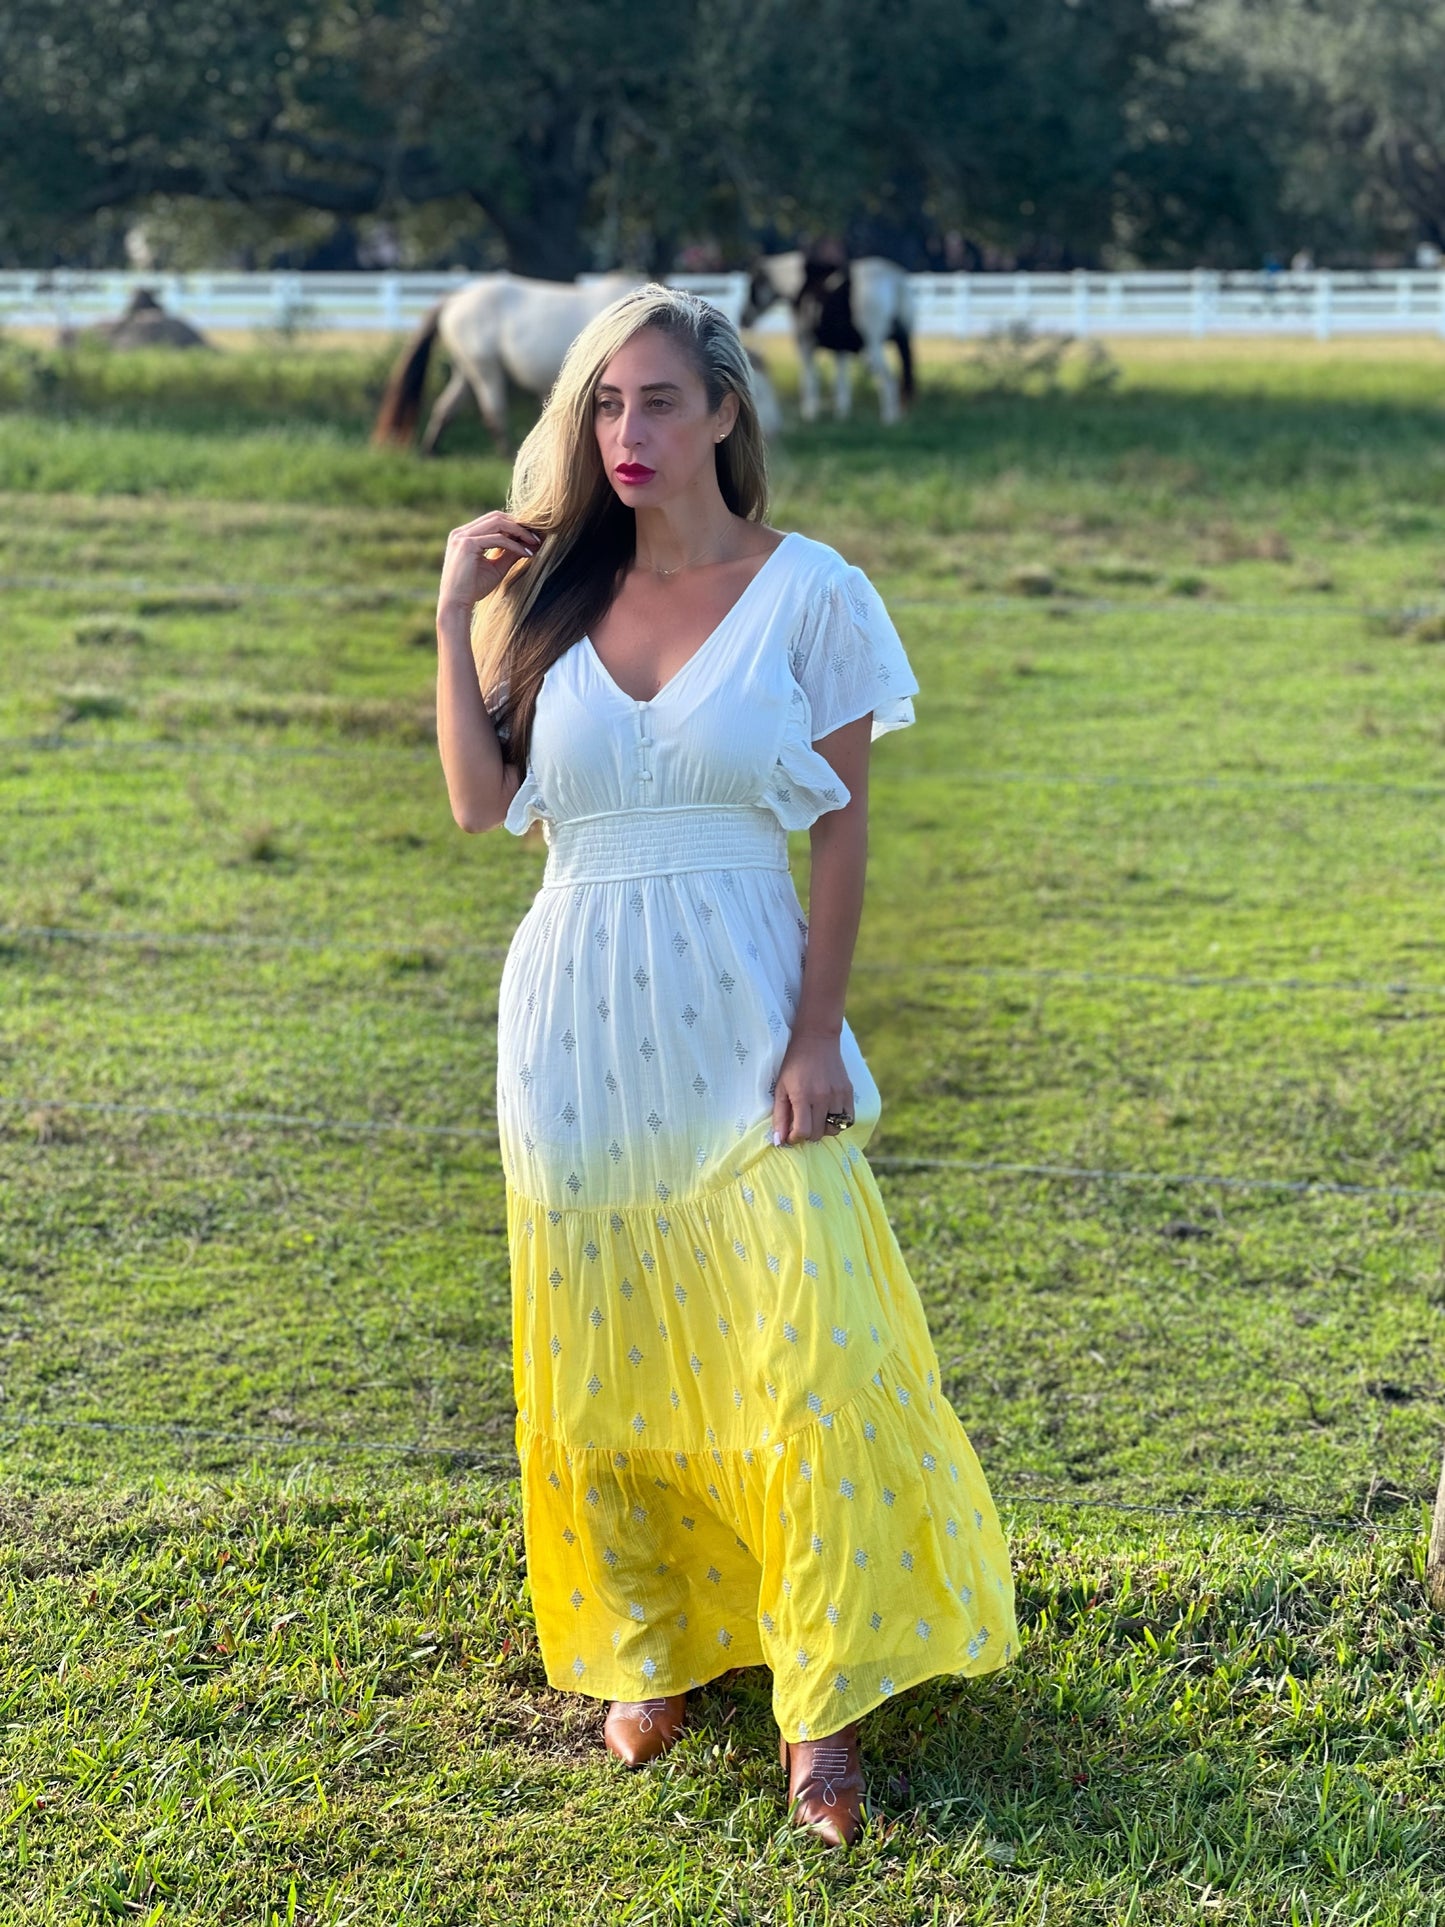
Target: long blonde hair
560	488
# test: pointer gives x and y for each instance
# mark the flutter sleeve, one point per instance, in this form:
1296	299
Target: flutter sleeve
848	659
528	806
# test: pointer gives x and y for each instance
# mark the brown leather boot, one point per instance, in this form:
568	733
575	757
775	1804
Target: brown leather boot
826	1791
638	1730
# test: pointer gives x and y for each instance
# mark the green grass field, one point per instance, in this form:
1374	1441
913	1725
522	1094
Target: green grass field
1155	894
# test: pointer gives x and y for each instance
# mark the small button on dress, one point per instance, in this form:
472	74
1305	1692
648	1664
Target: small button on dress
735	1447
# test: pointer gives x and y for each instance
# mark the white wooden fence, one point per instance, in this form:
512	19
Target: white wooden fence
1203	302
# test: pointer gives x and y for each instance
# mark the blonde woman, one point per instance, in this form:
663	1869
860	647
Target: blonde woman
735	1449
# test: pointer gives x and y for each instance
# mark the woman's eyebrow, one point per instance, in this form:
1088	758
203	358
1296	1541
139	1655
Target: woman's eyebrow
648	388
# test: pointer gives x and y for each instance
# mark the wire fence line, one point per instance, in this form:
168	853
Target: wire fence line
485	1459
271	1120
401	946
1106	779
56	741
303	1121
247	940
497	1464
189	596
1324	1187
1187	980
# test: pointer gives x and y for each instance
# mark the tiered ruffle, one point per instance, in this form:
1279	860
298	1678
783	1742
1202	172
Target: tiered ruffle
735	1449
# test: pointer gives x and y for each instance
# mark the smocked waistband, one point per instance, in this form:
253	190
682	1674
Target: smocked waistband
639	843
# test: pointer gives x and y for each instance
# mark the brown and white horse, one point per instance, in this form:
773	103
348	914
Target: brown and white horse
848	308
504	328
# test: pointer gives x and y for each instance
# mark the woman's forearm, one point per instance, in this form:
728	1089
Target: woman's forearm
480	785
835	907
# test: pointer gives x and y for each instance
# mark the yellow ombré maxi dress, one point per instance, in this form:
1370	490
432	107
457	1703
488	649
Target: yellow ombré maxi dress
734	1445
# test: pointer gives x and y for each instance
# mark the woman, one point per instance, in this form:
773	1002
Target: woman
734	1445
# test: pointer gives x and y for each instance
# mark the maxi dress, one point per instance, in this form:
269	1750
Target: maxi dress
734	1445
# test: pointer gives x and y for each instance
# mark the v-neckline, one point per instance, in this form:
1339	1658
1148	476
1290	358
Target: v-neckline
645	702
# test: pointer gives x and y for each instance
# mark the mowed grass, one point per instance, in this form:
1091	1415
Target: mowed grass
1154	895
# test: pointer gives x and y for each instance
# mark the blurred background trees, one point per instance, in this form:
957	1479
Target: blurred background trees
554	136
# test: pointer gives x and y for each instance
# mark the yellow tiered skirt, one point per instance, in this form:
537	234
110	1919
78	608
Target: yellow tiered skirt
735	1449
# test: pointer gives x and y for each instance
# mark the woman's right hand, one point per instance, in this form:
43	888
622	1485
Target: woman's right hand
478	555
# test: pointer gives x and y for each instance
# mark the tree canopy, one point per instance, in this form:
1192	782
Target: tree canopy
571	134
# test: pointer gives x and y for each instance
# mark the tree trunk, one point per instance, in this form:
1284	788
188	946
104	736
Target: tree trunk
561	166
553	250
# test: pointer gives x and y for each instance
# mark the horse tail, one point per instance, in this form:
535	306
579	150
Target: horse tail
401	404
903	342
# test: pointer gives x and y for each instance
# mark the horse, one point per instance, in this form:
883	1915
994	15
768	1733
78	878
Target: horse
502	327
496	327
847	307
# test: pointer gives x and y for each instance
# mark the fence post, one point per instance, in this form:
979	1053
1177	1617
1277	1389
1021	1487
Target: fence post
963	309
1199	302
1081	301
1324	304
1435	1557
285	300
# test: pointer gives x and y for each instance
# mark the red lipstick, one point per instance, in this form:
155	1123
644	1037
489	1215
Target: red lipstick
633	472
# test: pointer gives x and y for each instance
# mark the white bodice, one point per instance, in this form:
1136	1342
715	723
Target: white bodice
649	992
806	648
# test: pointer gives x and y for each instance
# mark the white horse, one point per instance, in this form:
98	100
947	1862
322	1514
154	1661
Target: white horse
500	328
848	308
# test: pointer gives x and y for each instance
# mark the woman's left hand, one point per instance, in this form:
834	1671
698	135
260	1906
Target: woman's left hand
811	1083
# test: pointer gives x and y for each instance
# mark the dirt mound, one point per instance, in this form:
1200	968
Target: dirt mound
145	324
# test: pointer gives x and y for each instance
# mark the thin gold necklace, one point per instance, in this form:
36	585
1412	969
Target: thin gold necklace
692	562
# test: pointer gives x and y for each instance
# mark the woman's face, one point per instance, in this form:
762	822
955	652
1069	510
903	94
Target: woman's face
656	435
